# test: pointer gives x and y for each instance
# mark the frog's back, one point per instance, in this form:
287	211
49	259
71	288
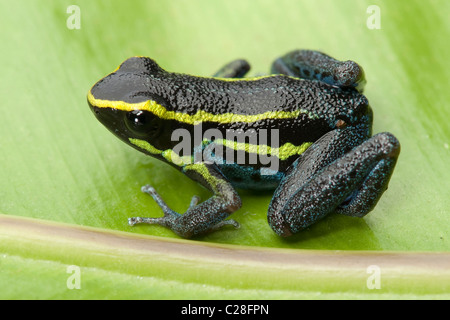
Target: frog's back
139	79
247	96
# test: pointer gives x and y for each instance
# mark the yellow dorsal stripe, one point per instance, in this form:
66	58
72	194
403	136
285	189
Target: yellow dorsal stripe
285	151
200	116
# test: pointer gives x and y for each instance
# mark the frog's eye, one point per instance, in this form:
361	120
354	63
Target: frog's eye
142	123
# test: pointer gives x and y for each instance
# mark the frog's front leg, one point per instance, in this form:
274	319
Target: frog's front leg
199	218
234	69
315	65
330	178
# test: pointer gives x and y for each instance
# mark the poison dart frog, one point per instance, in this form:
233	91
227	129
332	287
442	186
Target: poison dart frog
326	159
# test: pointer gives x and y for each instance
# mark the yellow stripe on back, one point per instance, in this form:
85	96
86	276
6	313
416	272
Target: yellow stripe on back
199	116
285	151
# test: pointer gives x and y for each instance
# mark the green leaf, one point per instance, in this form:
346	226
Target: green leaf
62	172
115	265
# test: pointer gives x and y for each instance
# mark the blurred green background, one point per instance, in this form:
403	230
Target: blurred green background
59	164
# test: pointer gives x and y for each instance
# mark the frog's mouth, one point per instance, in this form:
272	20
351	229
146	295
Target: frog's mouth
112	119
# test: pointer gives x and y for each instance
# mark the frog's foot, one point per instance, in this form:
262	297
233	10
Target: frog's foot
315	65
234	69
174	221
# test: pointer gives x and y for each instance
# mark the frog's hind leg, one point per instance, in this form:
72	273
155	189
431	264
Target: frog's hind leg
234	69
315	65
364	199
330	178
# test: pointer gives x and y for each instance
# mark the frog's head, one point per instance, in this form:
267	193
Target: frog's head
131	82
122	102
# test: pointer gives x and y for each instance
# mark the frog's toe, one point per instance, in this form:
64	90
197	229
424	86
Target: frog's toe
169	218
193	222
230	222
148	189
194	201
167	211
134	220
137	220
